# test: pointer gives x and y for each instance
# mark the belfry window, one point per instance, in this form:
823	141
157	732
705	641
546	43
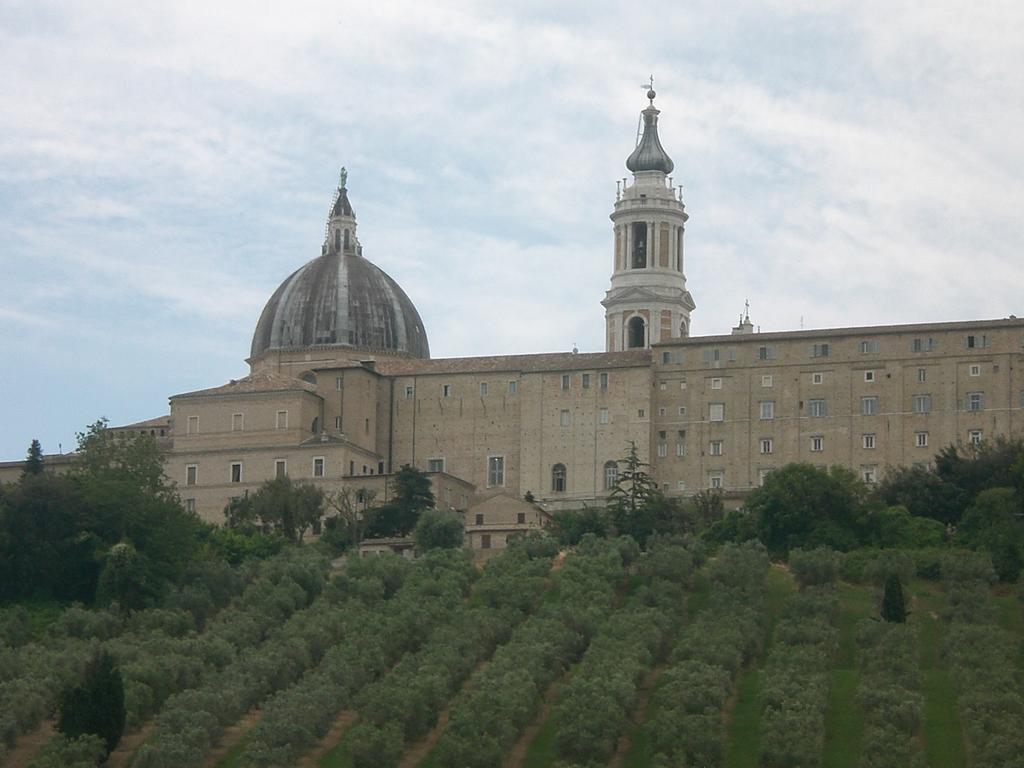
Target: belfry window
635	332
639	245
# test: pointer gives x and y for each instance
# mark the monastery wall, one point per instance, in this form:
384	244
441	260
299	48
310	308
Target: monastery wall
728	409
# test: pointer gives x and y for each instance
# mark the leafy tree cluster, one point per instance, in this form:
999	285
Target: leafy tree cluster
889	693
504	697
815	567
386	622
693	692
803	506
981	656
437	529
411	495
112	530
978	490
595	707
280	506
404	704
167	659
796	679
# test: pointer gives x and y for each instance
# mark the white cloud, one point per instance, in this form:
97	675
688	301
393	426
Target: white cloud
843	162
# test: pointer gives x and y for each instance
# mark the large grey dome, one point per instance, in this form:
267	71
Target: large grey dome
341	299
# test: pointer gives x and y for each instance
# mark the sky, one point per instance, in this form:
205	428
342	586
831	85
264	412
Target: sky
164	166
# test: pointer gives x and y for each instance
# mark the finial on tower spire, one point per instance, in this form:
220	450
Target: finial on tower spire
650	90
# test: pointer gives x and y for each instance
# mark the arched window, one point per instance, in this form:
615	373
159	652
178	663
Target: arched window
558	478
611	474
337	240
316	425
635	332
639	245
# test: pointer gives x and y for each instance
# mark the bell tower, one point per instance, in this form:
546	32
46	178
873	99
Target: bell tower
648	301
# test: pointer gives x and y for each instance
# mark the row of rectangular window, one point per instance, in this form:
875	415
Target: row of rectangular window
512	386
818	377
281	470
869	406
237	422
820	349
817	443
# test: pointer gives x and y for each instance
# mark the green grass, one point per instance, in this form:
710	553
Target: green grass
541	753
1010	615
943	735
337	756
743	744
844	721
856	602
941	729
230	760
743	738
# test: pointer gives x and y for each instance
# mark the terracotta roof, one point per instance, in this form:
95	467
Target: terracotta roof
827	333
159	421
258	382
552	361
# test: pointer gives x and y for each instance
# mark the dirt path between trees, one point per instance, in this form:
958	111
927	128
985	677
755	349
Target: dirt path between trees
345	721
128	745
639	716
517	754
231	736
418	752
28	746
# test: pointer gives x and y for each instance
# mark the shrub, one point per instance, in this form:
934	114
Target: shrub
894	607
814	567
437	529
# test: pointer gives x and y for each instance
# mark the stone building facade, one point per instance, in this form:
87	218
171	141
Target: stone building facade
342	390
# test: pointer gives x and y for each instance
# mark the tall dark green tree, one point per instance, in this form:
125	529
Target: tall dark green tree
411	488
634	487
894	606
33	461
411	494
95	706
636	506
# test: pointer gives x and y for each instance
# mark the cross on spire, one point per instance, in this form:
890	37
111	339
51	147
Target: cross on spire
649	85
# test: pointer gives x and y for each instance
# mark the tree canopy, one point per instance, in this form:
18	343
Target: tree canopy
57	531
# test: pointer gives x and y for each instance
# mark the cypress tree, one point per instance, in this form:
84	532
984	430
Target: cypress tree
97	705
34	460
894	607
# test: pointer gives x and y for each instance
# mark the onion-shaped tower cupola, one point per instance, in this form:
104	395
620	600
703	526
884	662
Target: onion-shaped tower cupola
649	155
